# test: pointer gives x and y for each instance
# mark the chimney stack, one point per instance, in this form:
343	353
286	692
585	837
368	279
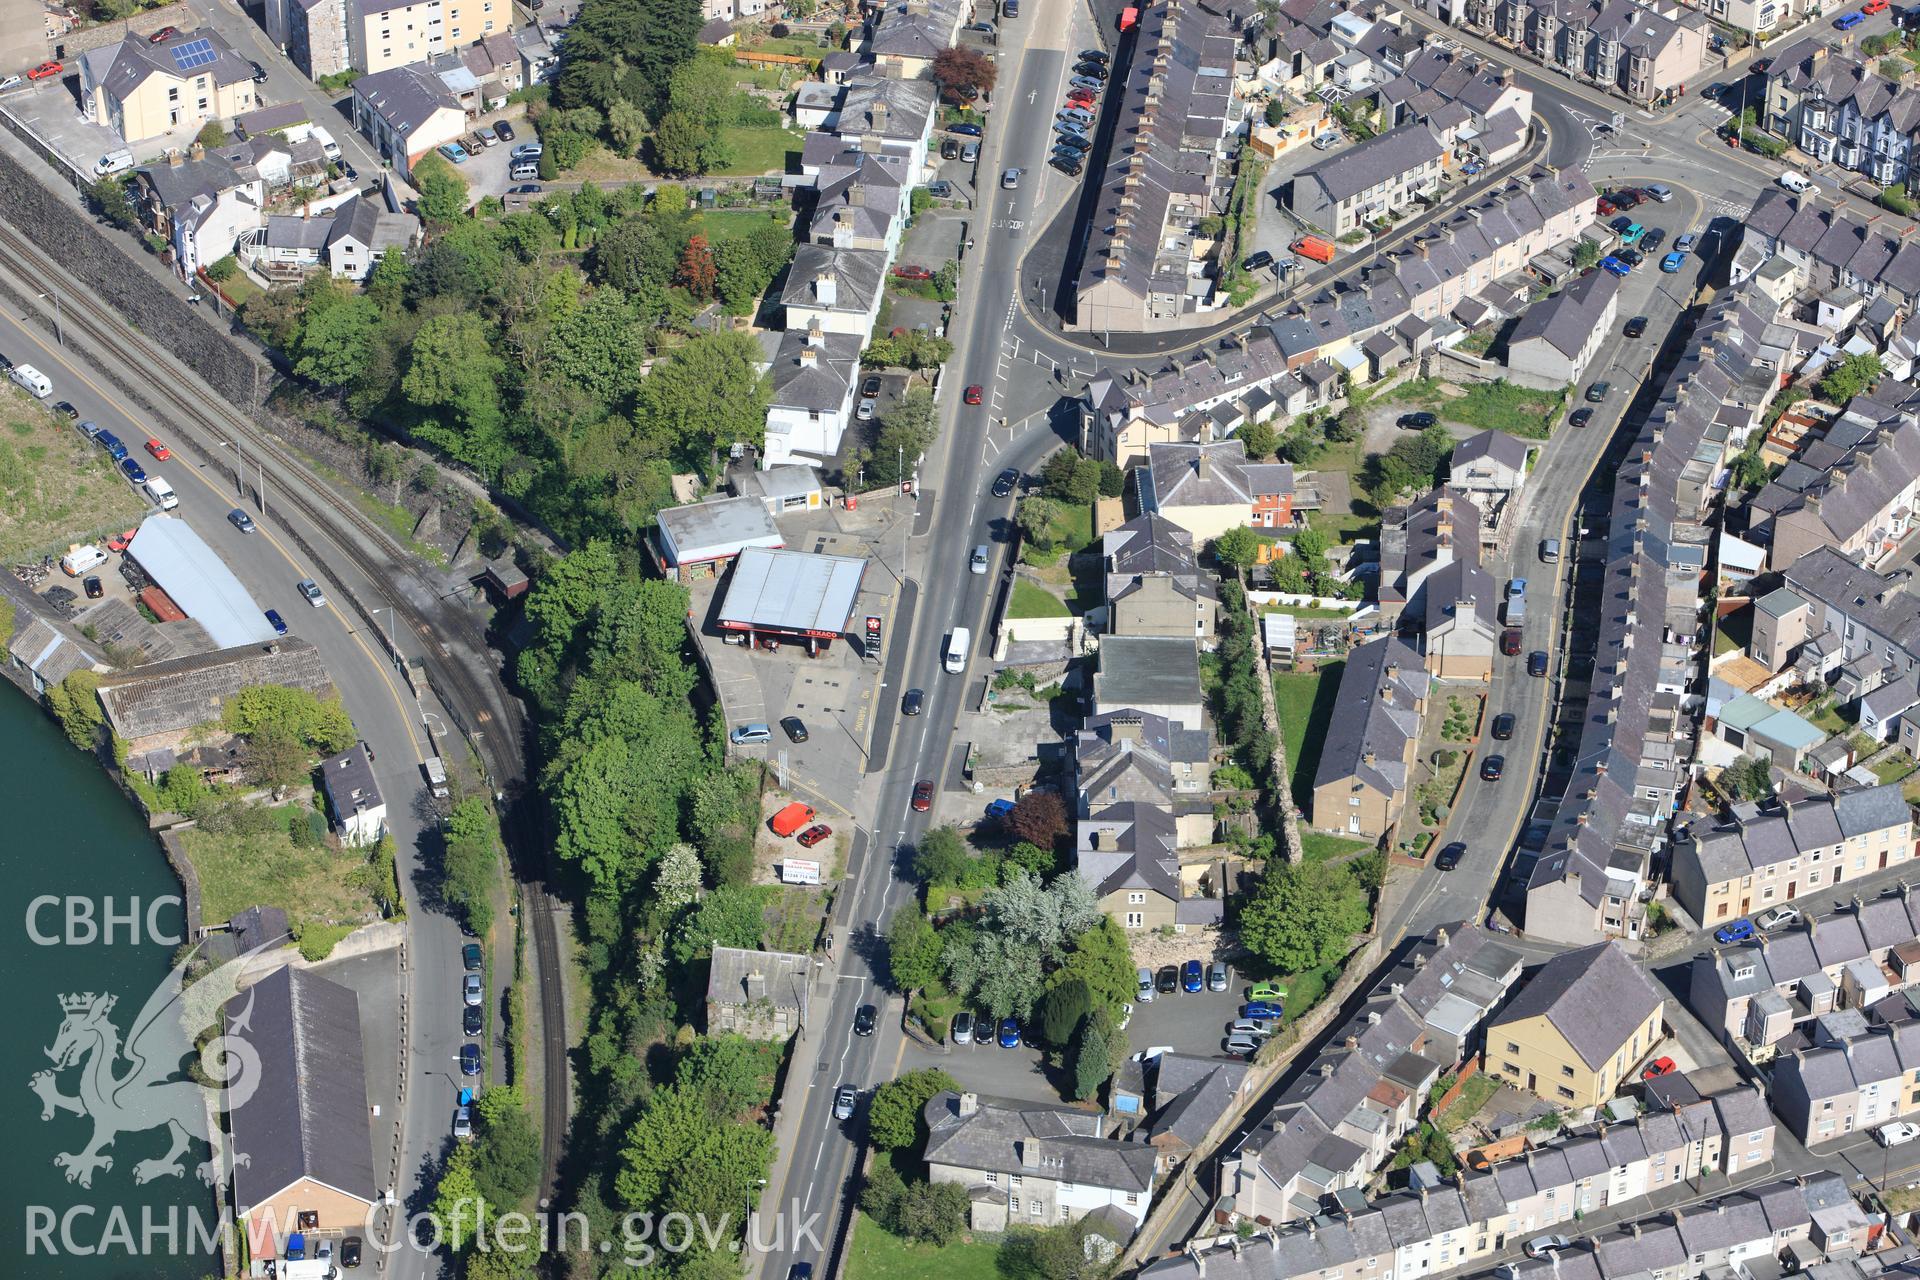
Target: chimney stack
969	1104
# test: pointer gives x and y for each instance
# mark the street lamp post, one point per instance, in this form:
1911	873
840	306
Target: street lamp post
59	315
393	650
239	460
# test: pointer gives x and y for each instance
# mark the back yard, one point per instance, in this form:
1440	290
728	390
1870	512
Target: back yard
56	487
249	857
1305	703
1499	406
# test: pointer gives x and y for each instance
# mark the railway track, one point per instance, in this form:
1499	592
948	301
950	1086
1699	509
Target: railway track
492	717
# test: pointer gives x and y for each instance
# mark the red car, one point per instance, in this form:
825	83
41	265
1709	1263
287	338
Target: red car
45	71
1875	6
1659	1066
1510	643
922	796
973	394
1606	207
912	273
119	541
814	835
164	33
1081	98
158	450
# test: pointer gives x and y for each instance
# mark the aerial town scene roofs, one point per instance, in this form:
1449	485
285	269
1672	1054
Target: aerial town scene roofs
1034	638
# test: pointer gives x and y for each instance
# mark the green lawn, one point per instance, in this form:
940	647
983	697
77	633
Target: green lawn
1071	530
1473	1095
1735	630
313	885
1501	406
731	224
874	1254
1317	846
1305	703
55	487
758	150
1894	767
1031	600
1825	716
1301	611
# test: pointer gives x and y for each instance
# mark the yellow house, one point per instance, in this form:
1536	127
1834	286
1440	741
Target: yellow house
1579	1028
142	90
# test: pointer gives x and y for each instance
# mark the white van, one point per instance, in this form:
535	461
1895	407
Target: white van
82	559
113	162
1798	182
32	380
161	492
957	650
328	147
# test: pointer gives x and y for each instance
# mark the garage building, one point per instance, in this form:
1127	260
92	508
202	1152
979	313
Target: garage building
791	597
699	540
198	580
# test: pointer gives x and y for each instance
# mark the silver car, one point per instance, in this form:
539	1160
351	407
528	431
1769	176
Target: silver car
311	590
471	990
748	735
843	1103
1244	1045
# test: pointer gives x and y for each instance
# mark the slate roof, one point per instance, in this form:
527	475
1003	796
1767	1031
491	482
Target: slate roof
739	976
176	695
822	384
1595	997
1012	1136
1372	724
307	1116
405	97
1885	605
1129	846
857	274
1379	159
368	221
1495	446
1214	474
1567	319
134	61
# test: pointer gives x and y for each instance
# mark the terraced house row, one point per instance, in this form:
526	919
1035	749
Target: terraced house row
1805	1220
1594	879
1836	108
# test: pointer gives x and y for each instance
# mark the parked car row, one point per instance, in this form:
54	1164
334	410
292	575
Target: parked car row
1074	121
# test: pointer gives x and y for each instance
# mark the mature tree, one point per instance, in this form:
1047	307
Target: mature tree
676	878
932	1213
697	273
275	758
721	1172
1035	519
913	949
627	49
1101	958
443	193
109	199
906	432
960	69
683	144
1348	425
1047	918
627	126
471	861
1850	377
458	1208
1054	1253
706	395
1259	439
894	1117
1303	916
730	916
1238	547
1035	860
731	1074
1586	253
640	253
1748	778
1062	1010
599	346
1091	1061
506	1148
323	726
1000	972
941	856
336	342
453	378
1038	817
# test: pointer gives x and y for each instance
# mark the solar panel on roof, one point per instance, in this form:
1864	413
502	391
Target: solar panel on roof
194	53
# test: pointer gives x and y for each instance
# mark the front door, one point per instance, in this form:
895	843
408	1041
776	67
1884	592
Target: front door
1793	888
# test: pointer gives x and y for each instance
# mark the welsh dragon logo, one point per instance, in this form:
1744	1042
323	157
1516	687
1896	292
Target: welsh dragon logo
153	1090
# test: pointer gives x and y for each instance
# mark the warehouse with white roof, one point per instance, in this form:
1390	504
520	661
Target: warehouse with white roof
198	580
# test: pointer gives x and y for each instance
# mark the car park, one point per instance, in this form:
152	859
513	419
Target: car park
1630	258
240	520
1734	931
1662	1066
813	835
910	704
1072	168
472	990
1492	767
1636	326
1009	1033
923	795
1503	726
274	620
1673	262
311	593
454	152
1192	976
1632	234
865	1018
121	540
469	1059
1580	417
796	728
1619	225
1537	663
1450	856
1652	240
960	1031
1004	483
843	1102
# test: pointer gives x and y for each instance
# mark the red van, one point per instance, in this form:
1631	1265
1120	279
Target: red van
791	819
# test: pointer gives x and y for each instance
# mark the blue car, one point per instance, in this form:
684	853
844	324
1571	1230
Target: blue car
1739	931
1000	808
1848	21
1191	977
469	1059
135	472
1615	266
111	443
1263	1009
1673	262
965	130
454	152
278	623
1009	1033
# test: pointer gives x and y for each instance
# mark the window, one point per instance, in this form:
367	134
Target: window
1033	1207
1014	1182
1133	1198
1136	919
1354	801
1136	897
1567	1072
1512	1047
1565	1092
993	1179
